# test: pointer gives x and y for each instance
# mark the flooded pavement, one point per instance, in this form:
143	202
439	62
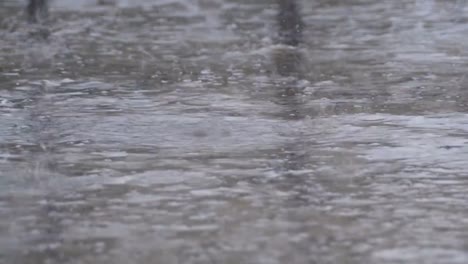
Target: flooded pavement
234	131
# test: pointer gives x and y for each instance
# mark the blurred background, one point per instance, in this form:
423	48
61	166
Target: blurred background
234	131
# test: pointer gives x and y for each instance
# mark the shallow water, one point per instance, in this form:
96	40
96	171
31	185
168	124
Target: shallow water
234	131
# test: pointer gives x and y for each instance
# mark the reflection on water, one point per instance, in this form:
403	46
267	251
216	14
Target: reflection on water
229	131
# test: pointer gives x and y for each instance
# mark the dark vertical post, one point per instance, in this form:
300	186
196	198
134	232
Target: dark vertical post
36	10
290	27
289	22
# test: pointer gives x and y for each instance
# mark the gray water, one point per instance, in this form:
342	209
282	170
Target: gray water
234	131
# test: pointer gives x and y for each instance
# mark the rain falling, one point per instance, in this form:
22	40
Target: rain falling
233	132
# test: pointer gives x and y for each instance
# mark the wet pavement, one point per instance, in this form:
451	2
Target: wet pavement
234	131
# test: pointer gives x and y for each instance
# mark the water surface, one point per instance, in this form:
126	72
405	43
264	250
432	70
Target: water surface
234	131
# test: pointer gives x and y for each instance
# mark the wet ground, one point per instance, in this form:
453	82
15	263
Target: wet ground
234	131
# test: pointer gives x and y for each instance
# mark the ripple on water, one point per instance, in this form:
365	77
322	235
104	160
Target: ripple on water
183	131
